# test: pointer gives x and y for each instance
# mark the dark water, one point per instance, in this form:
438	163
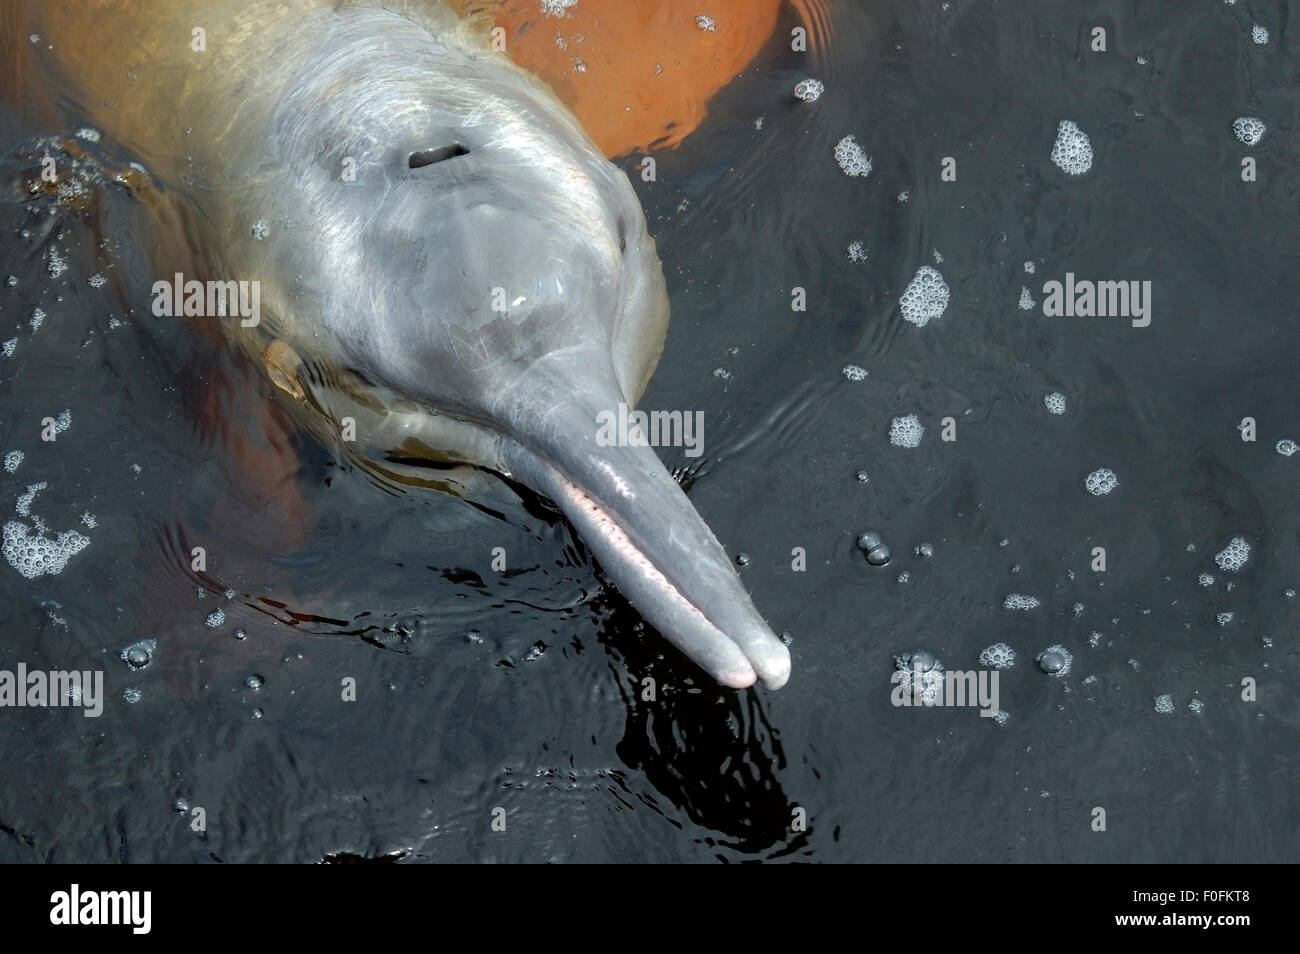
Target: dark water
479	690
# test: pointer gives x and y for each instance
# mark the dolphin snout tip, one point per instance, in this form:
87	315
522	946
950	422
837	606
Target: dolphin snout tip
741	677
773	664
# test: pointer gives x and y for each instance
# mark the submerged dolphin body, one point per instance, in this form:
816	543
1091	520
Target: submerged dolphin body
443	256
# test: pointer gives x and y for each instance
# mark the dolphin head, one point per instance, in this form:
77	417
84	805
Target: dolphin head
455	239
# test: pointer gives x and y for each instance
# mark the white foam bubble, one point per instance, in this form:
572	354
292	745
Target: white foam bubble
1101	481
89	520
88	133
1234	556
1249	129
13	459
1196	705
854	373
925	297
1067	660
1259	34
1164	704
37	319
1027	302
35	555
857	252
1030	268
556	8
1206	579
132	695
97	280
853	161
1021	602
998	656
9	347
216	618
55	263
24	504
1055	403
1072	151
1223	619
809	90
706	23
1286	447
906	431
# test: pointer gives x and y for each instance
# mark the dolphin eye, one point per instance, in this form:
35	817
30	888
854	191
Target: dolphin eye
427	157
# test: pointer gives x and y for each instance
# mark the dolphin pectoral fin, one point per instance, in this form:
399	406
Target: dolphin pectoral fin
649	539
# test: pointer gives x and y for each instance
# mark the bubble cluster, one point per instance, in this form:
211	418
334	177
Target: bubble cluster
998	656
1165	704
556	8
1286	447
1072	150
706	23
1101	482
1055	402
216	618
13	459
809	90
132	695
1234	556
857	252
906	431
260	229
9	347
37	319
38	555
1196	705
1027	302
139	654
921	675
852	160
1019	601
854	373
1205	579
875	548
1249	130
1259	34
1223	619
1056	661
925	297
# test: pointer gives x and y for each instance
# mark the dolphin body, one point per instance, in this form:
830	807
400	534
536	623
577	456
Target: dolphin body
443	256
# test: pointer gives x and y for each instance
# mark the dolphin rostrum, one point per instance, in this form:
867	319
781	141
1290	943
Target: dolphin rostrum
444	258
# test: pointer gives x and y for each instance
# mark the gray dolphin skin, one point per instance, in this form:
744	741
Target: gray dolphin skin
442	252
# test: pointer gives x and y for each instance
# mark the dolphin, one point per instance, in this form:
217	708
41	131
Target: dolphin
447	264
